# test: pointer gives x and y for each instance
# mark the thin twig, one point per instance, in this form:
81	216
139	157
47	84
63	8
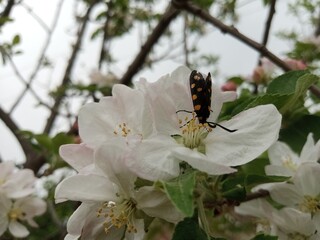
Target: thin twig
41	58
36	17
170	14
27	85
66	78
265	39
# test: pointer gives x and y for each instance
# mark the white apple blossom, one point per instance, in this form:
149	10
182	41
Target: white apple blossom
112	196
263	213
15	183
179	137
124	115
302	192
284	161
286	223
294	225
14	212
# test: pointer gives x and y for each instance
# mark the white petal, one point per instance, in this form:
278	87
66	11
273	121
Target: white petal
111	159
257	128
257	208
18	230
78	219
291	220
276	170
201	162
78	156
310	152
217	99
6	168
307	179
4	221
86	188
283	193
152	159
96	123
32	206
155	203
279	152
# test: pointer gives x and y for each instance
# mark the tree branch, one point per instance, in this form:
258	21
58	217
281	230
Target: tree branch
265	39
66	78
7	10
170	14
204	15
27	148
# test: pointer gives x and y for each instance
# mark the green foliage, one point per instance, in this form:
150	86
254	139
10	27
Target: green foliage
180	192
189	229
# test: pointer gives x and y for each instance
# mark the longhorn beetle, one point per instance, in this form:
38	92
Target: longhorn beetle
201	98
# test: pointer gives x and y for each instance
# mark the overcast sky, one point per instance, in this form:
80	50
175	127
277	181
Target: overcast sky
235	57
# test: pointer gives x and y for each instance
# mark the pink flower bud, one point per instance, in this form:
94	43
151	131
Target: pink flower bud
295	64
229	86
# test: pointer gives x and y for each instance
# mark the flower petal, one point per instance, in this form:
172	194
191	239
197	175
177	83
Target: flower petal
18	230
310	152
86	188
307	179
155	203
77	156
283	193
201	162
111	158
280	152
152	159
257	129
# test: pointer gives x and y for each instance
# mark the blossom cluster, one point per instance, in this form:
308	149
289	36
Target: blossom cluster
18	201
293	210
139	137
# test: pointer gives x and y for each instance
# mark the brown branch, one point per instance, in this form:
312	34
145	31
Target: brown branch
204	15
27	148
105	34
7	10
66	78
259	194
265	38
170	14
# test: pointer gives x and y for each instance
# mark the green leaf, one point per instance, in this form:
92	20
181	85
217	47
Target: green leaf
60	139
295	135
295	85
189	229
16	40
254	180
180	192
44	141
286	83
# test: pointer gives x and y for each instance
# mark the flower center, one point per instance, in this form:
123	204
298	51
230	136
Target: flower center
193	133
122	130
118	215
15	214
310	205
288	163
